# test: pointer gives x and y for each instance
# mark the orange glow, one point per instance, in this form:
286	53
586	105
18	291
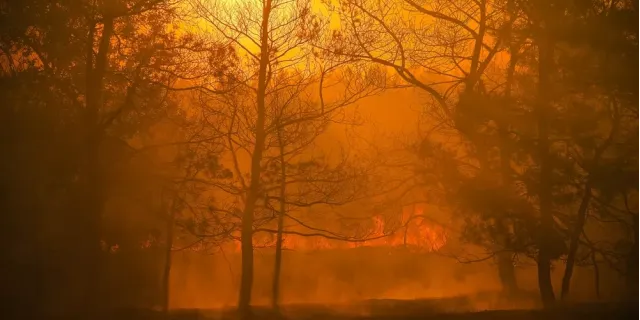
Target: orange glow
417	234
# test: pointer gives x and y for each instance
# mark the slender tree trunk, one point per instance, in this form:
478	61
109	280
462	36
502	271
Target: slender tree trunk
596	274
545	53
584	206
506	269
166	275
246	237
91	208
575	241
507	273
282	210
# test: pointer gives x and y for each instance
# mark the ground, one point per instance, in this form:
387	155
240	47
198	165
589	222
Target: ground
401	309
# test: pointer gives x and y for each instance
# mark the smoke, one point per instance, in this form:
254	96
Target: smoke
328	277
361	280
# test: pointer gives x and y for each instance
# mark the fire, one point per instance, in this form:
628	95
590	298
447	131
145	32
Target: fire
416	233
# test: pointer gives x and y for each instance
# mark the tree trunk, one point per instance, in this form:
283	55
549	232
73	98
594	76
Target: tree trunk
282	210
474	71
632	262
545	54
166	275
506	269
92	253
275	303
507	273
596	274
575	241
246	237
91	188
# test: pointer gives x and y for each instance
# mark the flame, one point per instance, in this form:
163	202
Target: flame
416	233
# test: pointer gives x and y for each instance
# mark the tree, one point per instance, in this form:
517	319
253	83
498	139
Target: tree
609	106
274	68
305	180
439	47
94	74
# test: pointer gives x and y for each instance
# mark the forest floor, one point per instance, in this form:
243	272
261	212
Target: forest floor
436	309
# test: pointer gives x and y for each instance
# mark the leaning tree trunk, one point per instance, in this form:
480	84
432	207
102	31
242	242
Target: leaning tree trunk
578	227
